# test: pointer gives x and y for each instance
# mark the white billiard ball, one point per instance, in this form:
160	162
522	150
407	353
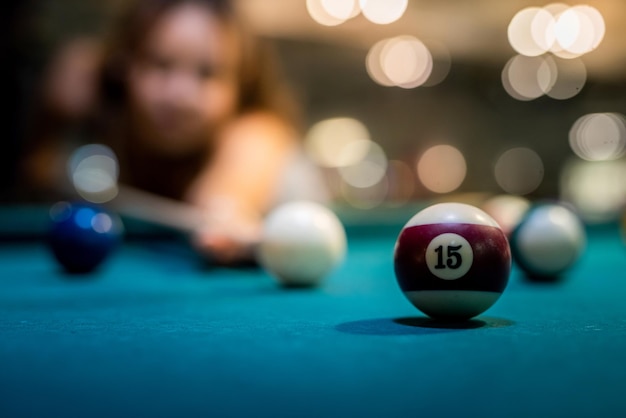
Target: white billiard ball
301	243
548	241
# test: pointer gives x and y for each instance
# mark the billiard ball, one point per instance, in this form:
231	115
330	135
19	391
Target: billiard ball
452	261
301	243
549	240
82	235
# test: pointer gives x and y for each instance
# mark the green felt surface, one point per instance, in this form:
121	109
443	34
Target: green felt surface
155	334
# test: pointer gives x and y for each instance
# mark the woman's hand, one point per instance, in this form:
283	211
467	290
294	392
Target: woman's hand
229	235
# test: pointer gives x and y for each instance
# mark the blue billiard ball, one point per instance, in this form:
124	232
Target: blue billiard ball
82	235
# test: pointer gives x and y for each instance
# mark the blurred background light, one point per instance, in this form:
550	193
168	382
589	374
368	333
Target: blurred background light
94	170
442	168
404	61
527	78
579	29
596	189
528	31
566	31
373	64
597	21
556	9
369	169
519	171
598	136
570	77
327	140
574	32
383	12
368	197
524	78
321	15
341	9
442	62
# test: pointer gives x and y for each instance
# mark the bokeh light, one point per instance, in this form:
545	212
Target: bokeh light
395	188
599	136
519	171
527	78
406	61
402	61
326	140
579	30
369	169
570	76
524	77
442	63
442	168
374	66
567	32
596	189
341	9
556	9
368	197
597	20
94	171
383	12
528	31
320	14
574	32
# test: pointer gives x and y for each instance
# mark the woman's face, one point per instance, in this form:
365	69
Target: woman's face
185	82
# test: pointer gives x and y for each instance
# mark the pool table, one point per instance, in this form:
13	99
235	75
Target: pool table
158	332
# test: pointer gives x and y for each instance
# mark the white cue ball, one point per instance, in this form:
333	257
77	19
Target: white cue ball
548	241
301	243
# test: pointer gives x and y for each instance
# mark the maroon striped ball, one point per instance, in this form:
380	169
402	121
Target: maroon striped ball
452	261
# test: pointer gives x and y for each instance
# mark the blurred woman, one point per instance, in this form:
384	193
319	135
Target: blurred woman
194	110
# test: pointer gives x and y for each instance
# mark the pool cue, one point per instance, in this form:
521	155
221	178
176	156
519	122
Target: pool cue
158	210
162	211
166	212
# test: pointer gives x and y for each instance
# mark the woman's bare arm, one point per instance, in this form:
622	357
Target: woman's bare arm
241	183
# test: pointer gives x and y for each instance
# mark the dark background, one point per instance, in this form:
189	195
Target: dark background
325	67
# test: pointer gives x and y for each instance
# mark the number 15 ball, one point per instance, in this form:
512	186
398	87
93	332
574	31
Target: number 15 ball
452	261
